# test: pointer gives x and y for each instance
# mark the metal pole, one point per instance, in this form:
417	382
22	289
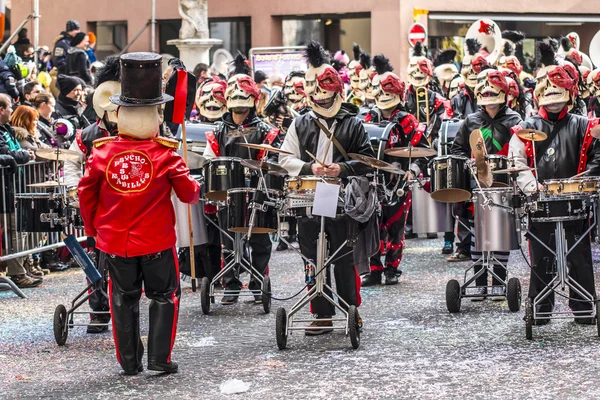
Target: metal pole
135	38
36	29
153	30
15	32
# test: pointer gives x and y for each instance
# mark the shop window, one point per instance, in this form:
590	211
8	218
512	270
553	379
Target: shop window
111	37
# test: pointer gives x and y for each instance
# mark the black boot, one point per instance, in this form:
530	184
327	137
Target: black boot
371	279
282	246
96	320
391	276
169	368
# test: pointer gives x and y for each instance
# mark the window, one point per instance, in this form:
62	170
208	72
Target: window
111	38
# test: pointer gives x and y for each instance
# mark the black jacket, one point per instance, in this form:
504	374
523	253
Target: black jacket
406	131
10	145
8	81
47	134
496	131
229	146
594	107
62	44
70	110
464	103
78	64
349	132
436	110
558	155
86	138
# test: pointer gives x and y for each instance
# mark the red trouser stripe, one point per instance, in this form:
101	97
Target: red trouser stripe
112	319
358	281
175	305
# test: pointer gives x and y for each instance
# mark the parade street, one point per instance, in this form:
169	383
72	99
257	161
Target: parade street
411	347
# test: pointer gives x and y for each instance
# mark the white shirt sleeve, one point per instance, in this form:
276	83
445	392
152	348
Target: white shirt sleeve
526	180
74	169
291	162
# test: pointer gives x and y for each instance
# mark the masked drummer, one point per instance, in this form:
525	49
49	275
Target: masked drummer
494	120
569	149
241	96
324	90
390	93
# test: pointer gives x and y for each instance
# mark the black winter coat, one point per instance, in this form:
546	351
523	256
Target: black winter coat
464	103
78	64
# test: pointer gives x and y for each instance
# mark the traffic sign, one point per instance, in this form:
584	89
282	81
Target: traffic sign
416	33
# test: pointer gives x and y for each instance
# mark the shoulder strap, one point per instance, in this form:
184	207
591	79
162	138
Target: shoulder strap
213	143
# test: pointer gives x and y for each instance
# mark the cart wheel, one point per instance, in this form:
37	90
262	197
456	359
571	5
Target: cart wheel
528	319
280	328
353	328
204	295
266	294
61	329
453	296
513	294
598	316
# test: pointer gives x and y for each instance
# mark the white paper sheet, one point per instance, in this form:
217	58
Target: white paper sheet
326	200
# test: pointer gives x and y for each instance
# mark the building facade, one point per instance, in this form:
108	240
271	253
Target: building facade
379	26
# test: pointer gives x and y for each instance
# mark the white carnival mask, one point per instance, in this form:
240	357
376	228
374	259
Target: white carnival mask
593	81
354	69
456	85
293	89
389	90
366	75
420	71
471	67
211	101
491	88
553	86
242	92
324	89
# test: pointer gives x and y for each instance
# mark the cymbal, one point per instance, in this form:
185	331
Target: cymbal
241	132
58	154
266	147
195	160
512	170
268	167
413	152
532	134
375	163
47	184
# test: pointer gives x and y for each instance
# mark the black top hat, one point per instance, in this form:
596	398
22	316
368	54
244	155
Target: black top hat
141	81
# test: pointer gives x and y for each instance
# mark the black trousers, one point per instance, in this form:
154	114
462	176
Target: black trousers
463	233
159	275
347	281
261	246
544	263
98	301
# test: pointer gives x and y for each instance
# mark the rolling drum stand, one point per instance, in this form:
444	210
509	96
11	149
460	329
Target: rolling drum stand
561	281
207	287
455	292
284	321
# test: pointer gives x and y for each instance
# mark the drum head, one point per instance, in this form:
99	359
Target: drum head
451	195
499	185
217	195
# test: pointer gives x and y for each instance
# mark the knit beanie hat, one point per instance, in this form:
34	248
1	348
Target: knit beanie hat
78	38
67	83
72	25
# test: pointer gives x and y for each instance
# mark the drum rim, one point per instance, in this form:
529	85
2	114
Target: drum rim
462	158
237	159
34	195
493	189
253	190
572	180
313	178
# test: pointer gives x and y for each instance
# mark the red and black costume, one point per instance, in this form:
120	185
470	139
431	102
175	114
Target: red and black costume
568	150
219	144
438	106
407	130
464	103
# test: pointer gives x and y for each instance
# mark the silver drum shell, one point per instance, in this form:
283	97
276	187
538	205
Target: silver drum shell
495	228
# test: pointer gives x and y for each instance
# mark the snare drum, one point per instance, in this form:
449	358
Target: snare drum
558	187
222	174
429	215
450	179
495	227
563	207
239	211
31	206
307	185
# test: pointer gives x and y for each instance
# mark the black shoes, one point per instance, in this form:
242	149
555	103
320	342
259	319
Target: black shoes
26	281
281	246
371	279
97	329
448	247
410	235
432	236
391	277
132	372
169	368
229	300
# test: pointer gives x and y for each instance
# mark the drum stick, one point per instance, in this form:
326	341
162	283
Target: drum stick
580	174
189	212
316	159
328	146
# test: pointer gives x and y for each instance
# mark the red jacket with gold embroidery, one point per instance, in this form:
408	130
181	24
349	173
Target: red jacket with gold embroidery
125	194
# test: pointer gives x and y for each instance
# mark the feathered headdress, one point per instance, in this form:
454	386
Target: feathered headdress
508	49
566	44
473	46
365	60
420	50
356	51
513	36
111	71
240	66
316	55
444	57
546	54
382	64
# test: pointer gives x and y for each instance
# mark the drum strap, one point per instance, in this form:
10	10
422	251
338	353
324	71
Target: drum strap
587	141
213	143
332	137
273	133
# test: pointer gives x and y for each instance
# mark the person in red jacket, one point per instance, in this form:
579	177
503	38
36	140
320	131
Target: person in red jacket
125	197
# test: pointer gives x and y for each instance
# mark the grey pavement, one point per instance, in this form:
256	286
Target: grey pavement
412	348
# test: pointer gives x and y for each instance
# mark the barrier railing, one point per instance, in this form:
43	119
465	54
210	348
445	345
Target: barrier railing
22	207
